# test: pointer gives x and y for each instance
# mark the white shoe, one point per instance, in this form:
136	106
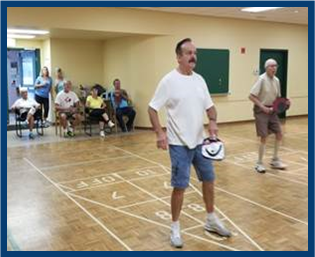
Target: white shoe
102	133
111	124
260	168
277	164
46	124
215	225
176	240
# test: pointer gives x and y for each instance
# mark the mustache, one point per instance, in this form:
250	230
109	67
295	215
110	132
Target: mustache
192	60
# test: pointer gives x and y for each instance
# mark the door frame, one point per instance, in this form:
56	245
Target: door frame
37	70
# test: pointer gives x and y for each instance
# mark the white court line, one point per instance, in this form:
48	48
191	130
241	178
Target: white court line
115	183
93	187
293	150
263	206
161	200
65	187
151	221
168	204
243	199
244	161
104	184
187	229
293	173
244	158
149	201
267	174
294	181
281	147
61	151
237	227
305	165
109	174
136	204
47	168
303	159
259	205
253	202
240	230
80	206
207	240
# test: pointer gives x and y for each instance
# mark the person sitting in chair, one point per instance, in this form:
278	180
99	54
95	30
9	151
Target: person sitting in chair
97	107
27	109
67	105
122	105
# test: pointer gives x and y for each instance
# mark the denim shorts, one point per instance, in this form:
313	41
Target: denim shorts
182	158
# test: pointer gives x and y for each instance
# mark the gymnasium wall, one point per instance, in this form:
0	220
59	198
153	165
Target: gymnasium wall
148	59
141	60
81	60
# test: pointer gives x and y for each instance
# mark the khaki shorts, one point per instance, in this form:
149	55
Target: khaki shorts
266	123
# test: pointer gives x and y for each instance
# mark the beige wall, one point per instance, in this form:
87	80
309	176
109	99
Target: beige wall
81	60
147	60
133	61
141	61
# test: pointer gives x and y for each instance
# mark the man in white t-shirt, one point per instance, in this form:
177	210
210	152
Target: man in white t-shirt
67	106
185	95
28	109
265	91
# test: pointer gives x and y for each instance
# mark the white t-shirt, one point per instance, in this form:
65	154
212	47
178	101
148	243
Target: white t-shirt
66	100
266	89
186	99
24	105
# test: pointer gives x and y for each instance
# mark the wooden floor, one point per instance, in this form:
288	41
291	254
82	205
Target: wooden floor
114	194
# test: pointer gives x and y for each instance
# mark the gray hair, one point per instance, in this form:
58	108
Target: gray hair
270	62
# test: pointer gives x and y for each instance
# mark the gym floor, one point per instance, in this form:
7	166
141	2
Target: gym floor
89	193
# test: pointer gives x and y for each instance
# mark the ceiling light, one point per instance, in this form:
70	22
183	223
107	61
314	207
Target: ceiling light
20	36
28	31
11	42
259	9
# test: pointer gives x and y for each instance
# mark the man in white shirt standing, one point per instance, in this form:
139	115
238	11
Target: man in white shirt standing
185	95
67	105
28	109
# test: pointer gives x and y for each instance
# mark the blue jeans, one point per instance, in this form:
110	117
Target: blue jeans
182	158
130	113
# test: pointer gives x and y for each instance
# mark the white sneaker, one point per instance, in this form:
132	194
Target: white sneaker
46	124
102	133
260	168
215	225
111	124
176	240
277	164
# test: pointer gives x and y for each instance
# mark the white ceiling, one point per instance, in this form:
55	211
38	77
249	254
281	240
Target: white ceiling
295	15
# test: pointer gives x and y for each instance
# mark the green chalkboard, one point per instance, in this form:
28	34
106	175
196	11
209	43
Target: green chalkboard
213	65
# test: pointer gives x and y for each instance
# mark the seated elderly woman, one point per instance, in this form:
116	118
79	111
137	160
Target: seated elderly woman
97	110
27	109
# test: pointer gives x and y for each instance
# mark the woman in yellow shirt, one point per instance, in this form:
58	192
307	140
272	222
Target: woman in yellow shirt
97	106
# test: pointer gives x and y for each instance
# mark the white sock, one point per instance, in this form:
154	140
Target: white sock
261	152
175	226
276	150
211	216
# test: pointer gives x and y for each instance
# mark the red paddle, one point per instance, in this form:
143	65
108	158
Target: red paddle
280	105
